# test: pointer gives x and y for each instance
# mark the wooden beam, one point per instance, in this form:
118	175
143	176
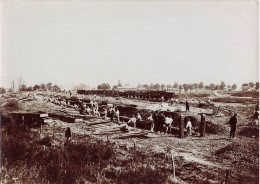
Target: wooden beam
131	135
44	115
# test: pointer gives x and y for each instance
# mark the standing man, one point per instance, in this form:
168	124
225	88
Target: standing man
233	125
187	106
202	125
155	121
112	115
256	119
105	112
168	122
132	120
67	135
188	127
161	121
151	121
91	104
172	100
117	115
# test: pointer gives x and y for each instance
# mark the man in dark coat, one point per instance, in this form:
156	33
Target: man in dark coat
233	125
187	106
154	116
161	121
67	135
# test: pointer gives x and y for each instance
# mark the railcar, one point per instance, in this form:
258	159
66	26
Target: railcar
146	95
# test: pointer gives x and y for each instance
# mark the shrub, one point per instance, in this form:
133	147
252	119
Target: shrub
10	106
216	129
249	132
45	141
253	94
92	161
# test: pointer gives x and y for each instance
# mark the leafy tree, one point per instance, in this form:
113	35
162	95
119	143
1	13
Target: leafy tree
114	87
162	86
217	87
245	87
201	85
175	85
190	86
212	86
49	86
29	88
168	86
196	86
185	87
257	86
157	86
222	85
56	88
23	87
36	87
180	88
147	87
152	86
234	87
207	87
2	90
43	87
251	84
104	86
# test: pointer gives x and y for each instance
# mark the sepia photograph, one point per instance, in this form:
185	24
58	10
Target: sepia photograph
129	91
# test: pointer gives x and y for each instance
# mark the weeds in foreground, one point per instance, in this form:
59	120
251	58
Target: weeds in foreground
28	159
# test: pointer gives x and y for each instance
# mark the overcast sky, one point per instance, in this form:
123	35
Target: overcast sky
90	42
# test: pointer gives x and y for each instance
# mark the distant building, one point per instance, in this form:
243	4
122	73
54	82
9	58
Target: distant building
176	90
126	88
141	89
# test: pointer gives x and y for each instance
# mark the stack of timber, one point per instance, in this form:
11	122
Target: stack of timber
45	118
63	117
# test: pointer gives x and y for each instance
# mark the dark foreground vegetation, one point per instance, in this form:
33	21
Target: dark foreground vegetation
29	159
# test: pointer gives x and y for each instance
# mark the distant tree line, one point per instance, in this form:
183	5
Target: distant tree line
181	87
188	87
43	87
153	86
176	86
250	85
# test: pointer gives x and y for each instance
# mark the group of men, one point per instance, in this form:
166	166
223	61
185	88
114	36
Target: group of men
163	124
113	113
57	101
159	123
90	110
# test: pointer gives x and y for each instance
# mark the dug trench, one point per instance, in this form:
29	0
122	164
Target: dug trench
126	112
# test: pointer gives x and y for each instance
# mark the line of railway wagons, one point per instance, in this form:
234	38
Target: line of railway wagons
148	95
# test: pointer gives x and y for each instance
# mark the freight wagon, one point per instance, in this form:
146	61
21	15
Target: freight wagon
146	95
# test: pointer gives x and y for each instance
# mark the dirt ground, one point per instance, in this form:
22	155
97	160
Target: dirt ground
197	159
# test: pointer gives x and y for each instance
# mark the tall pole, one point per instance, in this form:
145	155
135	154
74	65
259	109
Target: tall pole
181	127
202	125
